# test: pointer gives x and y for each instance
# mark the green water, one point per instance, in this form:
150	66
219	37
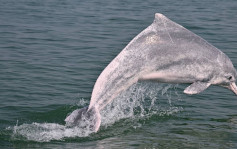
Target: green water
53	51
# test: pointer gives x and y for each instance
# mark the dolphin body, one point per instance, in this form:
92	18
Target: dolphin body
164	52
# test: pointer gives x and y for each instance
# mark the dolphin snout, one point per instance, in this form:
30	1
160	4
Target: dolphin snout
233	87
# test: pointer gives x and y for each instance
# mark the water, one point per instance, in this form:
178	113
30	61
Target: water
53	51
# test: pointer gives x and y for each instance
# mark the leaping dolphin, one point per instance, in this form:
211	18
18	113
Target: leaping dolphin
165	52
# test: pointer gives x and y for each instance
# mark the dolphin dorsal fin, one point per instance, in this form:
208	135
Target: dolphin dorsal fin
196	87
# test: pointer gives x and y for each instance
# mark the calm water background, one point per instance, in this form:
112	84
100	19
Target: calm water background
53	51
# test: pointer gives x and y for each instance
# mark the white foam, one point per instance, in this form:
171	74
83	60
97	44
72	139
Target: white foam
45	132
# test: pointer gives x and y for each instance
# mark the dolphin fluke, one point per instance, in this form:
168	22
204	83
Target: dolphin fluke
87	116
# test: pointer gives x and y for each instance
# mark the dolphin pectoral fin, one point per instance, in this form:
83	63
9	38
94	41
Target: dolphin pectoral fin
196	87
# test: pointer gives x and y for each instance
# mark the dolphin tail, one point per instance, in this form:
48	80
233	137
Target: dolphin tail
85	115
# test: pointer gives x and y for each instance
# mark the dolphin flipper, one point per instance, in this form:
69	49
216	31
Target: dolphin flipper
196	87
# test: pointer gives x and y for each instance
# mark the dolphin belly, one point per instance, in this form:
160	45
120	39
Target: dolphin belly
166	77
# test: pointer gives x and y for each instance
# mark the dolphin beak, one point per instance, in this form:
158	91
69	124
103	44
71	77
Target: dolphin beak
233	87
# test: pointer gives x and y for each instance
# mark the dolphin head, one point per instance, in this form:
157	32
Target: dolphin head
227	75
228	81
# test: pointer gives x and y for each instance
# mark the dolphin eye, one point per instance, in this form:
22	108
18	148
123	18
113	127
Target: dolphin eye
230	77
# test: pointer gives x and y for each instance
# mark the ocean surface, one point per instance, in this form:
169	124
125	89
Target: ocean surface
52	51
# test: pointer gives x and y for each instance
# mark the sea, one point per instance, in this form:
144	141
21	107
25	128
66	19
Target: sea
52	52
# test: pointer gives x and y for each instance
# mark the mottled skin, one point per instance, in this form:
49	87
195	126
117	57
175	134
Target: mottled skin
164	52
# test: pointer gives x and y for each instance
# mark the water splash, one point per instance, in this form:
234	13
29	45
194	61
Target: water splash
139	102
45	132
